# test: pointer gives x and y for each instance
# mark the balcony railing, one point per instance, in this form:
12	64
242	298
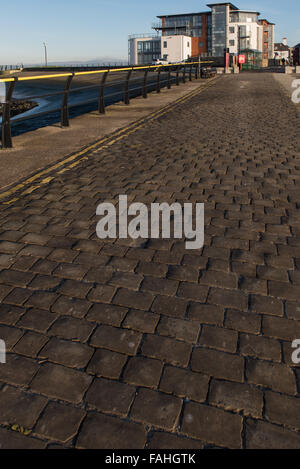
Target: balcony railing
175	25
143	36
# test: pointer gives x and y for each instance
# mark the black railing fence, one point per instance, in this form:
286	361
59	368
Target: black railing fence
117	84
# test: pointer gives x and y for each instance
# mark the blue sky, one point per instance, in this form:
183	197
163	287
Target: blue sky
82	30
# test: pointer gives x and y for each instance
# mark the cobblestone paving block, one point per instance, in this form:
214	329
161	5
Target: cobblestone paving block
237	397
71	306
71	329
174	307
218	364
18	370
110	396
168	350
186	331
219	338
262	435
20	408
157	409
141	321
107	364
162	440
141	371
117	340
212	425
115	433
107	314
14	440
277	377
134	300
59	422
30	344
65	352
206	314
185	384
61	383
282	409
243	322
260	347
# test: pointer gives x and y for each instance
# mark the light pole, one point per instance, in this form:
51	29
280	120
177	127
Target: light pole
46	57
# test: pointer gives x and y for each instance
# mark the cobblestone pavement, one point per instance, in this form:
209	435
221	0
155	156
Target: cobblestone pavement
146	345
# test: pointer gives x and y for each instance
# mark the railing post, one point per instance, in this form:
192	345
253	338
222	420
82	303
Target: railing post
158	81
101	104
169	78
191	71
177	75
6	122
196	71
183	75
126	90
145	89
65	103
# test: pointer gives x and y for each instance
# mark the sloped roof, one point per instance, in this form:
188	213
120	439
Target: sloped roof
279	46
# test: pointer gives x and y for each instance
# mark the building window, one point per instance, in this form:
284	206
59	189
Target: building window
201	44
232	42
165	44
232	29
188	44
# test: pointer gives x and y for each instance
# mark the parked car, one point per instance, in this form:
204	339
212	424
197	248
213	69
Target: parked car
160	62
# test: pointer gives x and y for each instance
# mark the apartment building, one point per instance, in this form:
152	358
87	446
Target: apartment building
144	49
282	51
267	41
225	26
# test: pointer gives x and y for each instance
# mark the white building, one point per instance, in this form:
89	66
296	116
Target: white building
176	48
145	49
244	32
282	50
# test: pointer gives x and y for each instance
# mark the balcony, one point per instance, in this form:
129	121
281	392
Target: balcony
176	25
159	26
143	36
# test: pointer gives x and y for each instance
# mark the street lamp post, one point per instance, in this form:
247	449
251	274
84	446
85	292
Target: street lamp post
46	57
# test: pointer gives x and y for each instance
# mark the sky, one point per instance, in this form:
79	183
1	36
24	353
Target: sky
94	29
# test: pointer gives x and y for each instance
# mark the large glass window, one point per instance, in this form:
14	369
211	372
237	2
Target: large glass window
218	30
184	24
148	51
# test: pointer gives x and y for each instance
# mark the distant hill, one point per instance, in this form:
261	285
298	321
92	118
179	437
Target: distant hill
90	62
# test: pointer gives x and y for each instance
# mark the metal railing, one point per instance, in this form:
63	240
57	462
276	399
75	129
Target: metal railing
153	78
7	68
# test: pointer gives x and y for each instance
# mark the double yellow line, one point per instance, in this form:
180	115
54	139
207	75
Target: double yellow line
47	175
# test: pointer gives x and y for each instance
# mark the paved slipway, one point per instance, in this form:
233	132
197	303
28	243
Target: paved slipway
123	344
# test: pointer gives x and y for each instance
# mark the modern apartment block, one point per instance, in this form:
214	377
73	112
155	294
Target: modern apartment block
207	33
268	38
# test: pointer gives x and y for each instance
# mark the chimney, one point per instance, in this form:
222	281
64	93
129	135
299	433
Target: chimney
284	41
